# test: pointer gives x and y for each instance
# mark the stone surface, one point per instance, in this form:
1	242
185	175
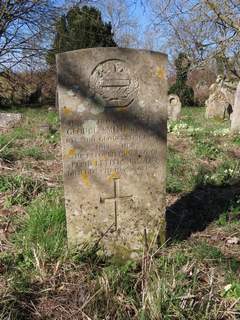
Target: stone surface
235	119
44	128
174	107
229	94
221	99
217	106
228	88
113	109
9	120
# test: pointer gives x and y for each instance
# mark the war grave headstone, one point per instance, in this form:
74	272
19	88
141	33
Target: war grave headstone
174	107
113	109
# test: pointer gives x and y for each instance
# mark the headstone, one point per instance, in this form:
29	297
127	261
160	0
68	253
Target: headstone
9	120
228	88
217	106
174	107
229	94
113	109
235	119
221	100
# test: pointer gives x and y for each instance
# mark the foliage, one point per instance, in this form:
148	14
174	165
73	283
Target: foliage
180	87
22	29
207	30
80	28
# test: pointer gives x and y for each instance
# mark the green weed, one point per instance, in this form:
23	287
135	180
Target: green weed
21	189
23	132
232	290
43	229
171	280
232	214
206	148
53	118
53	138
174	285
174	172
236	140
205	251
227	173
39	239
35	153
181	173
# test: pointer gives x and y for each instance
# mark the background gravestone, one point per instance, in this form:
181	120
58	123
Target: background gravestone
113	108
9	120
221	99
174	107
235	120
217	106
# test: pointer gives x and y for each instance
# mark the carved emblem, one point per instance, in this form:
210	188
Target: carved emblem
112	82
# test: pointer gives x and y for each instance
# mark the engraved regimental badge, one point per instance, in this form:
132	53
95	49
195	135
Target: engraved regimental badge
112	82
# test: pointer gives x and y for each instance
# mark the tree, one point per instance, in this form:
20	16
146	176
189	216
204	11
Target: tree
206	29
125	25
81	27
180	87
23	25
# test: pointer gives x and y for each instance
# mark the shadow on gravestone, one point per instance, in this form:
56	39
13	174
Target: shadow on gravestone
144	124
82	92
196	210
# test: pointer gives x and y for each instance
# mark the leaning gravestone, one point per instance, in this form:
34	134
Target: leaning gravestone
217	106
221	99
113	109
174	107
235	119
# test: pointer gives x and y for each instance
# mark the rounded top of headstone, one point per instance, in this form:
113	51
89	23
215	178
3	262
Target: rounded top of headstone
173	99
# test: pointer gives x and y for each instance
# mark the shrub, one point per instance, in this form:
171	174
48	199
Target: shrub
180	87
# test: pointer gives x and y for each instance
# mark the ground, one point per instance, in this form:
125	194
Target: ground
194	275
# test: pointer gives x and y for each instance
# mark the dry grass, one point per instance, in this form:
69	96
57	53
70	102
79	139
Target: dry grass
195	275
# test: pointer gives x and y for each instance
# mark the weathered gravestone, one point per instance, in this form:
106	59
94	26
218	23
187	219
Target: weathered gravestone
113	108
217	106
221	98
174	107
235	119
9	120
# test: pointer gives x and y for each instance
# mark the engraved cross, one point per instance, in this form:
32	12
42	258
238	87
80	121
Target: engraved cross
116	199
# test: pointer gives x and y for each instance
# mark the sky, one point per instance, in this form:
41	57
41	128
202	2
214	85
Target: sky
146	37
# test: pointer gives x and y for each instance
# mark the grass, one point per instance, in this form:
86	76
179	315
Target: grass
39	239
195	279
232	214
206	148
182	173
14	145
43	230
20	190
35	153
